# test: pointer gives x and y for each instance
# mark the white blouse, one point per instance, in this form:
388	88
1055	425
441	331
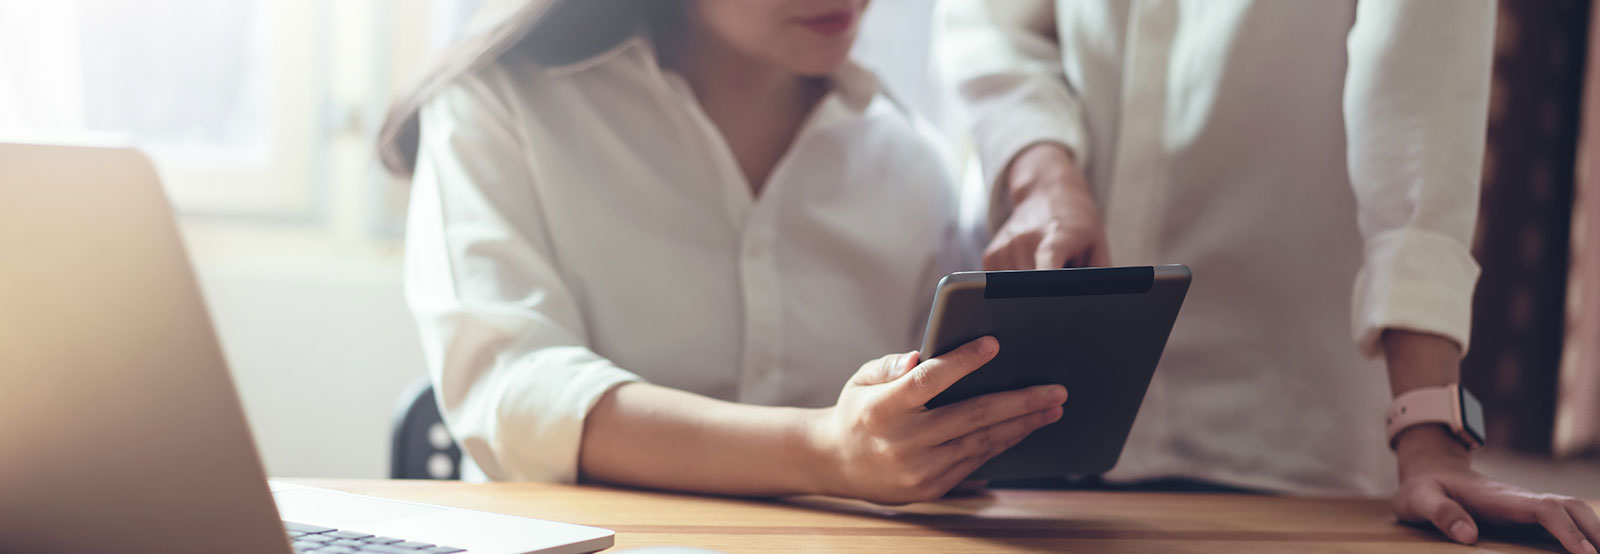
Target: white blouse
574	228
1315	162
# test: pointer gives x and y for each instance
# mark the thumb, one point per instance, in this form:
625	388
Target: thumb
1431	502
885	369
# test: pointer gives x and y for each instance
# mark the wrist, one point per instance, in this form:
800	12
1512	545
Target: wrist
1042	168
1430	446
810	446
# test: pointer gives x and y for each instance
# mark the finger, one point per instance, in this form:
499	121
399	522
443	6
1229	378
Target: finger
1585	517
975	449
925	381
1020	253
1552	514
1011	251
1515	505
1100	253
1054	254
1006	259
1430	502
992	256
1065	250
956	474
946	423
996	255
990	441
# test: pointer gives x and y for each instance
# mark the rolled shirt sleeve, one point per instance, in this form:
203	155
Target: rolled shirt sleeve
1415	103
1002	59
504	339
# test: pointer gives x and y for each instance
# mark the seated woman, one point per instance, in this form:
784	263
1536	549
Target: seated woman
653	242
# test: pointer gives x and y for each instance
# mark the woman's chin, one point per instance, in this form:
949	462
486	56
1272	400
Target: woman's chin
819	65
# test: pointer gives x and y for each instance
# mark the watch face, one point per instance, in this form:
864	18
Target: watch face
1472	416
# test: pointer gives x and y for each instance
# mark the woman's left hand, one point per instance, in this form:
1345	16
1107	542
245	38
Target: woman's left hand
1439	486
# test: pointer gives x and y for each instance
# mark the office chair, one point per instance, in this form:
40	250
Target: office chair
422	447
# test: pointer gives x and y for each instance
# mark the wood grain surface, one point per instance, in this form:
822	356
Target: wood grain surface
995	521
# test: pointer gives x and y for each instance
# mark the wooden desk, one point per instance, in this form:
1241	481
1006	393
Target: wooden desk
1000	521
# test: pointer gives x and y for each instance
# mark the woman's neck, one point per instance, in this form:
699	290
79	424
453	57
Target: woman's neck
757	107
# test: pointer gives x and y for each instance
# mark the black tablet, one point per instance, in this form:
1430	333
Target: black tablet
1097	331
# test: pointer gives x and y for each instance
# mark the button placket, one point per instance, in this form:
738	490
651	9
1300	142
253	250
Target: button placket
762	309
1139	168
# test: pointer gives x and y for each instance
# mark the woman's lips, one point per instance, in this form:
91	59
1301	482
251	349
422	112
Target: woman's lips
831	23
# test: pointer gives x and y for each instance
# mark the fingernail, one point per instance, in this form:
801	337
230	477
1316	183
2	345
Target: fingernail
987	345
1461	531
1058	394
1588	547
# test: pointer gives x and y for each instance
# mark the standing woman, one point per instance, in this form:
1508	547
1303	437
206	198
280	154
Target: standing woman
650	242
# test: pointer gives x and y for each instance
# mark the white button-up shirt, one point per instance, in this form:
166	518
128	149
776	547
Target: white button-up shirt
574	228
1297	155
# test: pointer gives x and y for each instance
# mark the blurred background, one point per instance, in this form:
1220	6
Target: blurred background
260	115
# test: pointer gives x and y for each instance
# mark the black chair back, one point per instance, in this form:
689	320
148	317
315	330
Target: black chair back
422	446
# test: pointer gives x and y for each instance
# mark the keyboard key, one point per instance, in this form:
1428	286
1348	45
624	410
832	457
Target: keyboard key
293	527
315	538
347	535
302	546
336	550
443	550
412	545
381	540
350	543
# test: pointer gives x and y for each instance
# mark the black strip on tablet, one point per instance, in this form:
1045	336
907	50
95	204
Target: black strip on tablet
1075	282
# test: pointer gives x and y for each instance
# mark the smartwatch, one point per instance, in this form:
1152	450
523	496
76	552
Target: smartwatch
1450	405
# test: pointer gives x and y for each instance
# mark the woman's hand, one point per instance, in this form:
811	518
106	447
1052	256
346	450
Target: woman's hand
881	444
1438	486
1054	222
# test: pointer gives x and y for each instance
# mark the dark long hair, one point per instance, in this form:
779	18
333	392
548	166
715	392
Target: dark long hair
551	32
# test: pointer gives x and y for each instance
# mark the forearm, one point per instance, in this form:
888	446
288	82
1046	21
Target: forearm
651	436
1419	359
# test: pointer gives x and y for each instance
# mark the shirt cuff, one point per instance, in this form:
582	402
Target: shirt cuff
541	419
1416	280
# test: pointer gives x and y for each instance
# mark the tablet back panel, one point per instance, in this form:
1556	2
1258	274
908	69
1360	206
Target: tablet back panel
1099	332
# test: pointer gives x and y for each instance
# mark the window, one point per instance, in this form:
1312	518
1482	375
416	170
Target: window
265	110
258	110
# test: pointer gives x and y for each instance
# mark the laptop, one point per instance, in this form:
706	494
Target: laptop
120	429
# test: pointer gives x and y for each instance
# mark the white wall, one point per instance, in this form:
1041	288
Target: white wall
320	350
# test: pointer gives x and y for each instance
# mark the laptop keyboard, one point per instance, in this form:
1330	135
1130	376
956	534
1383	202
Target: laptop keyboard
327	540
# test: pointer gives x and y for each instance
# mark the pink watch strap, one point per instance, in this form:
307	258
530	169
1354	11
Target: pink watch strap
1425	405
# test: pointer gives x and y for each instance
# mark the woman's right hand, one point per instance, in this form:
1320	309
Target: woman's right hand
882	444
